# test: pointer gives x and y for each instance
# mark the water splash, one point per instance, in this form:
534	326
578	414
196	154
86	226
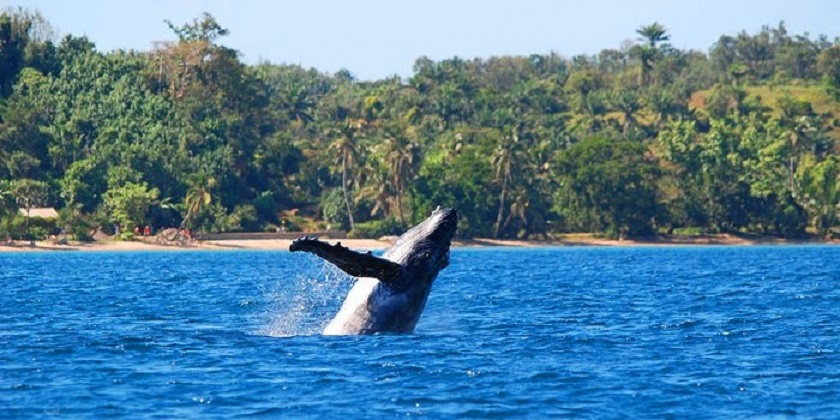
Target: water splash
305	304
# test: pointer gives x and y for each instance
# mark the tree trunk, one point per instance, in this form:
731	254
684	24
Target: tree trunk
399	207
28	233
500	216
791	176
344	188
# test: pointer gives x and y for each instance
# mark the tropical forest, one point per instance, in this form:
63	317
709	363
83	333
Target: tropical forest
636	141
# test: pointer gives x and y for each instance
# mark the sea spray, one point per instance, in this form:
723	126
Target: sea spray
303	305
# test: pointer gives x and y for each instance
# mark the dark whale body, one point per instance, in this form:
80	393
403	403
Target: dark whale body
390	291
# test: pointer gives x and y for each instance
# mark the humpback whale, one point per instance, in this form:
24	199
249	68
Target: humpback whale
390	291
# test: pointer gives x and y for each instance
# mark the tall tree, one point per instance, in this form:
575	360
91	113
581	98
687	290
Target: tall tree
28	194
628	103
130	203
13	40
402	157
346	152
607	187
822	192
377	187
199	197
653	34
829	66
508	162
647	53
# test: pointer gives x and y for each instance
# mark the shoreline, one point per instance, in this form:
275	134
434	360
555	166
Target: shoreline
373	244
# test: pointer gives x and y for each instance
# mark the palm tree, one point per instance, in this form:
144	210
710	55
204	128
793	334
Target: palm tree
299	105
582	84
668	102
519	207
653	34
347	151
402	157
376	187
801	138
198	197
822	190
29	193
628	103
507	160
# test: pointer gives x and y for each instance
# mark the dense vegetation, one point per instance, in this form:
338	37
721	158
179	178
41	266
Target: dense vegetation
634	141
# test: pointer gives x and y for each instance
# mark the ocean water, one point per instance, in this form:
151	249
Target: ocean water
693	332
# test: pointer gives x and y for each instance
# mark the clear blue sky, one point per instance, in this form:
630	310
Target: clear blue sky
378	38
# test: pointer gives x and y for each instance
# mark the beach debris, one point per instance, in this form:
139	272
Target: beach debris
174	237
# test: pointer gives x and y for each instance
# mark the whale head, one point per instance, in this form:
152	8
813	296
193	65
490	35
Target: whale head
425	247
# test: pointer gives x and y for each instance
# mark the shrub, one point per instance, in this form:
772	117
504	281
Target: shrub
377	229
335	209
689	231
15	228
77	224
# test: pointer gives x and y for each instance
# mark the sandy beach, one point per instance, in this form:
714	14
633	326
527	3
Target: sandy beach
148	244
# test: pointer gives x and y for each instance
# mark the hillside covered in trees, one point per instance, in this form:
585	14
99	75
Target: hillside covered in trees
635	141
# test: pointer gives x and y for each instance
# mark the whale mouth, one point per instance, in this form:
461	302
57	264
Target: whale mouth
450	216
447	223
426	244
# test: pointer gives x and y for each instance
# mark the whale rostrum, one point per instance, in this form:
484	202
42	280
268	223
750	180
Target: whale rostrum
390	291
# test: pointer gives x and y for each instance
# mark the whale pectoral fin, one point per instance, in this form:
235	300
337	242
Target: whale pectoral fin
351	262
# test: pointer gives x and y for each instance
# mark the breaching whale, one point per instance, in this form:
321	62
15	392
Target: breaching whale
390	291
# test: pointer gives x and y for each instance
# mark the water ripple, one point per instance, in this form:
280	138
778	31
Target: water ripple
584	332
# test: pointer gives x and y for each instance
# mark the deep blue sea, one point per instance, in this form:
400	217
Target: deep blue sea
695	332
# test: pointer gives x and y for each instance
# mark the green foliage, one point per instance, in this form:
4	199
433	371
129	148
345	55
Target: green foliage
214	218
688	231
19	227
624	142
608	186
829	66
763	56
334	211
461	177
199	198
129	203
821	190
8	205
28	193
23	43
76	224
244	217
83	183
376	229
